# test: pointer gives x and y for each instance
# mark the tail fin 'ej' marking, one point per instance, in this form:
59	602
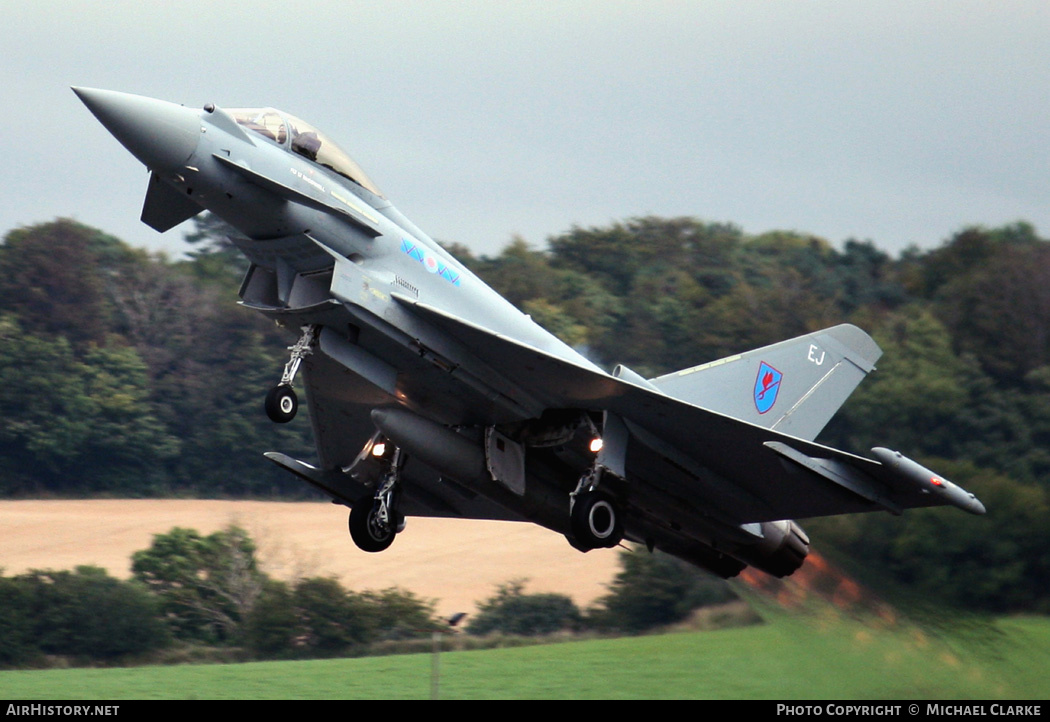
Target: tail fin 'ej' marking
794	386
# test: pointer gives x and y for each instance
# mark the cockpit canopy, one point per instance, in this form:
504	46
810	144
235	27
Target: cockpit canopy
304	139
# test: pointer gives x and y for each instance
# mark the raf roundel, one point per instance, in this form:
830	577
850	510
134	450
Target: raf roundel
430	263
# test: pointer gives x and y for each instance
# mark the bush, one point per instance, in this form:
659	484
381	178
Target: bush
270	628
511	611
85	614
399	614
207	585
330	620
654	590
317	617
15	623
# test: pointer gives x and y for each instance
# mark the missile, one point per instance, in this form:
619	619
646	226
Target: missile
918	475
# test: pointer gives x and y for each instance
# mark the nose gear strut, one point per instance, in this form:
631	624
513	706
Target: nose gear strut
281	402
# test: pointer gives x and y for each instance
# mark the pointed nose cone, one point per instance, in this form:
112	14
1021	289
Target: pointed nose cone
160	134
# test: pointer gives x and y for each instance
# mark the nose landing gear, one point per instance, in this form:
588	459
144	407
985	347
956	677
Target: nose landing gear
281	402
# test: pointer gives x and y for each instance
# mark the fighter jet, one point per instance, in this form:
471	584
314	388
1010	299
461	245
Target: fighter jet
431	395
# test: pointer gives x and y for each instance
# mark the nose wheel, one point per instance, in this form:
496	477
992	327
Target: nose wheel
281	402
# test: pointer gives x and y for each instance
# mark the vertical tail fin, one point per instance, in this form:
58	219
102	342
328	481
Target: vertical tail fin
794	386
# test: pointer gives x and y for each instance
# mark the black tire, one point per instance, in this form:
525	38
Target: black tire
366	531
596	521
281	404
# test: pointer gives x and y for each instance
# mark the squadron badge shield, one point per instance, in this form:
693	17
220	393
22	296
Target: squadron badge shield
767	386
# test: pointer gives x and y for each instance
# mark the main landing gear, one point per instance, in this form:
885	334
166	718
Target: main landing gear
374	526
282	403
594	515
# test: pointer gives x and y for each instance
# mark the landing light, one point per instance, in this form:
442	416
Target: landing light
595	445
379	448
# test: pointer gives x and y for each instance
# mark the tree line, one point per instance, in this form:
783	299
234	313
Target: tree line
205	597
125	373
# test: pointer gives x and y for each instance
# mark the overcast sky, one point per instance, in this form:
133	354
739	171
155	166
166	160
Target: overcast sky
895	121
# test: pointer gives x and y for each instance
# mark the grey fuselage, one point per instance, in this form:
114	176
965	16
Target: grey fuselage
278	230
496	416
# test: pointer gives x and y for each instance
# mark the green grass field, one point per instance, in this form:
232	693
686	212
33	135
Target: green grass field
810	657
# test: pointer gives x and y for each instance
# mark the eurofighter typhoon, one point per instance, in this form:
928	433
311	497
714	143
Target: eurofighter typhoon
431	395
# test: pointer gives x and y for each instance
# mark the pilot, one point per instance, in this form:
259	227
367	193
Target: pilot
307	145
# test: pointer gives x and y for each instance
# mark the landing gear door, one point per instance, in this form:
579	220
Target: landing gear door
505	460
613	455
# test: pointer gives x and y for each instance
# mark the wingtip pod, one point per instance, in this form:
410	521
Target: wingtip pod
930	483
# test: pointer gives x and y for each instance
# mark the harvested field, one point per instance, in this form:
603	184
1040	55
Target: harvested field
457	563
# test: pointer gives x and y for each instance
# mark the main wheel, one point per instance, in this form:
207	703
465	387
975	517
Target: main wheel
281	404
596	520
366	531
